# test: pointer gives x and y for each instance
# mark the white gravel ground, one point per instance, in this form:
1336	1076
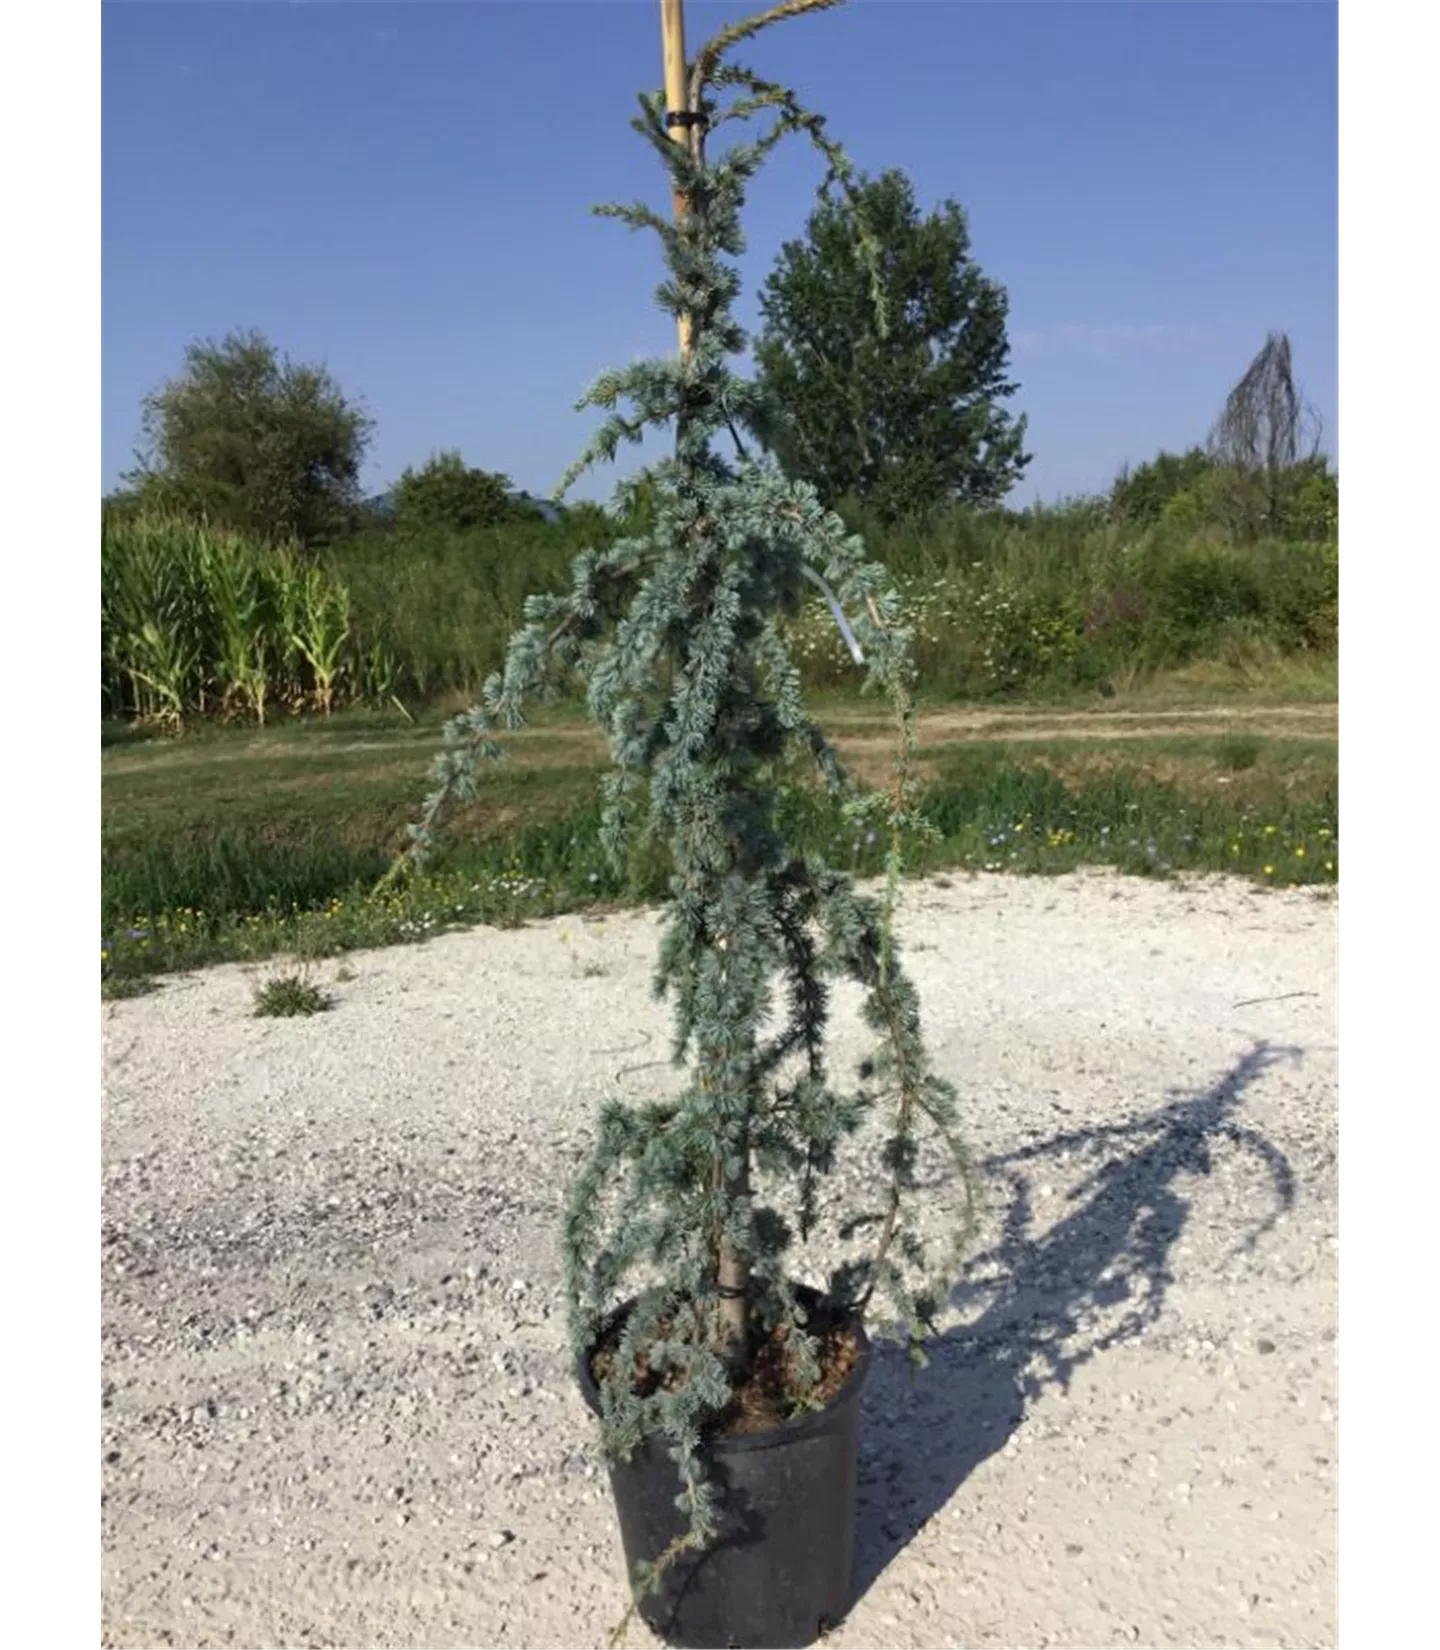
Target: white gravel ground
337	1408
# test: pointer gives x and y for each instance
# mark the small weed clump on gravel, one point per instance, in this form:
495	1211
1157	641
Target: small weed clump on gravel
286	995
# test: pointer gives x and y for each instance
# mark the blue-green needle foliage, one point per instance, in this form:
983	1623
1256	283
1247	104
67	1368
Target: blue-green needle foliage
690	1207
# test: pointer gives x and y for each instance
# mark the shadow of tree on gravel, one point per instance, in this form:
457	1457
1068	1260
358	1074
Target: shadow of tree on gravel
1055	1298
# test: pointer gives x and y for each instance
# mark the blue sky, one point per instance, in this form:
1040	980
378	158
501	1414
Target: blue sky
402	191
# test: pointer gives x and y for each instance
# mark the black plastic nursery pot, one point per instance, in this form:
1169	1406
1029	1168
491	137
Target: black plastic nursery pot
779	1572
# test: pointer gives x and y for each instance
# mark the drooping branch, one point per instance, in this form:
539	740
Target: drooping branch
707	60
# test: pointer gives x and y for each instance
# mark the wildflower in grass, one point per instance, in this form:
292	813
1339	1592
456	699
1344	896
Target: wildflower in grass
1329	865
1270	830
1269	870
1300	851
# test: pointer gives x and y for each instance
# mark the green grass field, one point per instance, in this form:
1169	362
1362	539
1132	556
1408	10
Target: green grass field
243	843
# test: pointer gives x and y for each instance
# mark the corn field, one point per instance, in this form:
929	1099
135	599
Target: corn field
197	621
201	622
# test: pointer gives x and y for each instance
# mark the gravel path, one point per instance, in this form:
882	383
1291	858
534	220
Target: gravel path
336	1402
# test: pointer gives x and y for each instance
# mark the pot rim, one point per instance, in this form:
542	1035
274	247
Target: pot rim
737	1443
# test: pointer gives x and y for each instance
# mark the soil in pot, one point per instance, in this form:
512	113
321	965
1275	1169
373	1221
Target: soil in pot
779	1573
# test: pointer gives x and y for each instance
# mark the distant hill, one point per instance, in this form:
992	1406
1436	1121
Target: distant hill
549	511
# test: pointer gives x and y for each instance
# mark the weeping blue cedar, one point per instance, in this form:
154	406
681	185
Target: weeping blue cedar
679	639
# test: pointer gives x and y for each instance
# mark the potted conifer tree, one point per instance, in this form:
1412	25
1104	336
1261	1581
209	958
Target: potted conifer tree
727	1391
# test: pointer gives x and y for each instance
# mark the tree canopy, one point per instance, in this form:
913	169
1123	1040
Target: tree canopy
897	405
254	440
447	493
1266	441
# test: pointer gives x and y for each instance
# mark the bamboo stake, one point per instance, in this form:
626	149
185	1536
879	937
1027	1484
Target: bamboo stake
677	101
732	1272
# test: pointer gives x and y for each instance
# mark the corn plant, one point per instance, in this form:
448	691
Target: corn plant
155	619
162	661
234	588
320	630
